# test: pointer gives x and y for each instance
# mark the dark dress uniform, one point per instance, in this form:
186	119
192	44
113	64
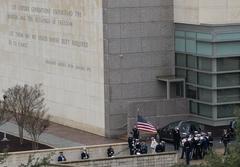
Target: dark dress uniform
84	155
187	146
225	139
61	157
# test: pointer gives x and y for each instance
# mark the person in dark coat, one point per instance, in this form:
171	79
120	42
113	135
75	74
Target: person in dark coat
176	138
110	152
131	144
61	157
135	132
144	148
225	139
84	154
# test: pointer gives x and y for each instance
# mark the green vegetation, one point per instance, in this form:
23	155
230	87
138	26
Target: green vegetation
37	162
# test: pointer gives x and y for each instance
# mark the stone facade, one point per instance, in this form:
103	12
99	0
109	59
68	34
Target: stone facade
93	57
72	154
150	160
138	46
207	12
58	43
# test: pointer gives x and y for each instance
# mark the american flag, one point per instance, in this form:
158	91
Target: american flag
143	125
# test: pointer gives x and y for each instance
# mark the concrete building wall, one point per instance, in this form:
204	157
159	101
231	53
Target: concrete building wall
138	46
207	12
98	156
72	154
58	43
167	159
158	112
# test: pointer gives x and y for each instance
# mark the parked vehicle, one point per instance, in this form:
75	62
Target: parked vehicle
185	128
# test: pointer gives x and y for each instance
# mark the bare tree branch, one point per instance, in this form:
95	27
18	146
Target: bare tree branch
29	110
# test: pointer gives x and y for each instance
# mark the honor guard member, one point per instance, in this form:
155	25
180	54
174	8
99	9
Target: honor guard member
138	146
183	147
144	148
187	146
135	132
84	154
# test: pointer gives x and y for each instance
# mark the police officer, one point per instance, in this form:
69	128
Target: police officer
210	140
159	148
110	151
225	139
61	157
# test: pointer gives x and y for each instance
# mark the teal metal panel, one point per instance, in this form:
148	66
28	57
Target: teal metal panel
191	46
204	36
204	48
180	45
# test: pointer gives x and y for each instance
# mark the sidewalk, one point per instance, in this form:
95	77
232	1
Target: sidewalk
59	136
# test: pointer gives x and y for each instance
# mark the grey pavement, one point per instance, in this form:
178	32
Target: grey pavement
46	138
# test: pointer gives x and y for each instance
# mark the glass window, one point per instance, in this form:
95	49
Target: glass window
205	95
181	73
179	33
193	107
228	64
228	36
204	64
205	110
225	80
227	49
181	60
179	89
225	111
190	35
228	95
192	61
180	45
191	92
205	79
191	46
204	48
192	77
